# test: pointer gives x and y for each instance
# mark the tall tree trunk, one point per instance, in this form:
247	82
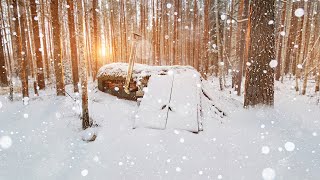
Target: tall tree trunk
302	45
259	85
37	43
21	34
219	46
310	45
57	56
284	44
3	72
73	46
240	46
83	67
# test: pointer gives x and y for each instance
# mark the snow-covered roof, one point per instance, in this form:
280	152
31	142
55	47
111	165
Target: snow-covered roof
120	70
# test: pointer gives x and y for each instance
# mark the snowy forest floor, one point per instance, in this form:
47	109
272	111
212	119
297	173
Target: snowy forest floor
250	144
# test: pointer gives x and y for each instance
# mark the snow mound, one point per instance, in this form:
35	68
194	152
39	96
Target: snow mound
120	70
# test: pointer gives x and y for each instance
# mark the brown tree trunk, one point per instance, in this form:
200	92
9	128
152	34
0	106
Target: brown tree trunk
259	85
3	72
83	68
21	34
57	56
219	45
73	46
37	43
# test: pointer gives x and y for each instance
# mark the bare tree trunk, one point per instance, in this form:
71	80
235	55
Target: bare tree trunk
302	45
37	43
284	44
259	85
311	43
57	48
83	68
279	38
73	46
21	34
219	46
3	72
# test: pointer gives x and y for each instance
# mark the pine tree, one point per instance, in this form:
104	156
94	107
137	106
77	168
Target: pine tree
83	67
73	46
57	53
259	85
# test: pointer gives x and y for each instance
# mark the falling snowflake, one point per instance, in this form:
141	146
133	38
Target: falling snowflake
265	150
268	174
221	63
296	46
248	64
84	172
289	146
0	104
299	66
223	17
178	169
96	159
314	134
36	18
166	36
25	116
219	176
271	22
282	33
5	142
116	88
181	140
169	5
273	63
200	172
299	12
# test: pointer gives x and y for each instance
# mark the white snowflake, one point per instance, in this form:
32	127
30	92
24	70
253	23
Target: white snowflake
169	5
299	66
265	150
268	174
299	12
25	116
273	63
223	17
84	172
5	142
271	22
289	146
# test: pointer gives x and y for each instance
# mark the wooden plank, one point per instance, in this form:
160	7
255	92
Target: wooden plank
184	110
153	109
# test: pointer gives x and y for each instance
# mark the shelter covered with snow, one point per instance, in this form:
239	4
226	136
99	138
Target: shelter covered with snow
172	96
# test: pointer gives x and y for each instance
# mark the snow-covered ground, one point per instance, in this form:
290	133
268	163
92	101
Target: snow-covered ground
44	140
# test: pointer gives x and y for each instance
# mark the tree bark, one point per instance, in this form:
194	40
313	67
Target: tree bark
83	68
57	57
37	44
73	46
259	85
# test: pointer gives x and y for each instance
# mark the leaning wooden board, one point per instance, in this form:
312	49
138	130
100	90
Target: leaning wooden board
153	109
184	110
